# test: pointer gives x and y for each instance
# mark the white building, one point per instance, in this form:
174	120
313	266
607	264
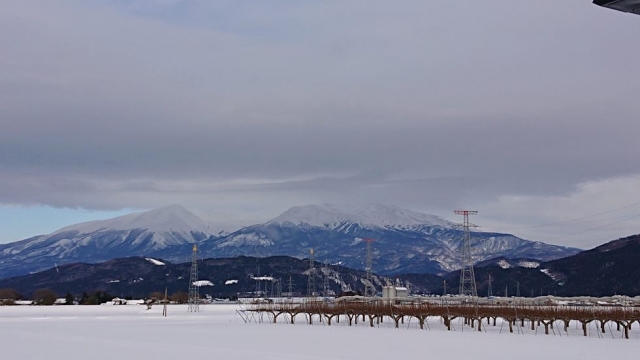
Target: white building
402	292
392	292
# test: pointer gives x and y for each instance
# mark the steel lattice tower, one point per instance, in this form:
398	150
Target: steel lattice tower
290	286
311	284
279	288
369	289
325	282
490	290
467	276
258	289
194	295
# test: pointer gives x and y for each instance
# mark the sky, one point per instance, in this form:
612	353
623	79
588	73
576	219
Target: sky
523	110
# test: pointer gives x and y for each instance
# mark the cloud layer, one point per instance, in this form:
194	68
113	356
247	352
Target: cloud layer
240	109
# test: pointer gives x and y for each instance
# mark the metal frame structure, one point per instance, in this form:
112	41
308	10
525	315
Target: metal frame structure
325	279
194	296
311	284
467	276
369	288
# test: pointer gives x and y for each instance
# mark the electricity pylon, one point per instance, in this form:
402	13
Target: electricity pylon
467	276
311	284
290	283
194	295
369	289
325	282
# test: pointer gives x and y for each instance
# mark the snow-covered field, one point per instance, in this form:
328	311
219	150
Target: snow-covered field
217	331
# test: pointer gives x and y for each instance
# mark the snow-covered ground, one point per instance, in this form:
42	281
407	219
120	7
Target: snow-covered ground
217	331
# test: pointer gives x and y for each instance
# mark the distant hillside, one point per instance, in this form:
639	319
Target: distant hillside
606	270
138	277
609	269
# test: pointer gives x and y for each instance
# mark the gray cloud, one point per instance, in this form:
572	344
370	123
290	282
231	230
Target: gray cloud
246	108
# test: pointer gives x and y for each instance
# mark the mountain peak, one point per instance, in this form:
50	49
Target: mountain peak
170	218
330	215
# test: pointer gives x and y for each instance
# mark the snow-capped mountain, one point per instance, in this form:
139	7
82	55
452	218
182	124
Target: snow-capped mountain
95	241
167	219
373	216
405	241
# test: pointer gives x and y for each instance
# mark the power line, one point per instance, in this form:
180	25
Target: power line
572	220
595	228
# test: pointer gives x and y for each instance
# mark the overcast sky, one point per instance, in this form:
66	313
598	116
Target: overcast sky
527	111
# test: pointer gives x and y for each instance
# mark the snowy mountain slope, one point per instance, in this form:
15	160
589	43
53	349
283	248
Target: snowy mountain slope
128	235
381	216
405	241
170	218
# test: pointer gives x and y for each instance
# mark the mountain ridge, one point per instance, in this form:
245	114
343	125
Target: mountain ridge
417	243
377	215
101	240
576	275
406	241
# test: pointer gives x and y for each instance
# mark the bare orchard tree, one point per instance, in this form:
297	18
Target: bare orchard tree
8	296
180	297
44	297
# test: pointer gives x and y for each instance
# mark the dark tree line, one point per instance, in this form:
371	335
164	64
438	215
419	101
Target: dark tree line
49	297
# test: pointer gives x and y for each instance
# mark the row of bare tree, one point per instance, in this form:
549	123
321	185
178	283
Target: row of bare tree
474	315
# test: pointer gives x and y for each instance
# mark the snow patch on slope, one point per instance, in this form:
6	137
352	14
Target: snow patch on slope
504	264
154	261
250	239
551	275
529	264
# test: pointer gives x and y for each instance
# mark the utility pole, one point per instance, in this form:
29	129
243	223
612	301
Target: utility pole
506	291
194	296
164	307
489	290
517	289
444	292
369	289
467	276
